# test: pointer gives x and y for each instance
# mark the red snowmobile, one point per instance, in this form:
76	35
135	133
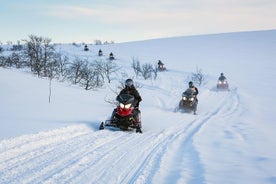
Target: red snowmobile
125	116
222	85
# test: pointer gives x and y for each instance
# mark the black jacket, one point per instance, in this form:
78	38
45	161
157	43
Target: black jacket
222	78
196	90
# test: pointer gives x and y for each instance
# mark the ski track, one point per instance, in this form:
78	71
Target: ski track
76	155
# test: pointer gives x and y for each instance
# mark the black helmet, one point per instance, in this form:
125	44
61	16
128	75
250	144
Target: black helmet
129	83
221	74
191	84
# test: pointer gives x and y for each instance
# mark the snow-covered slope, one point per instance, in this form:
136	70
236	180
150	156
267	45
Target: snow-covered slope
231	140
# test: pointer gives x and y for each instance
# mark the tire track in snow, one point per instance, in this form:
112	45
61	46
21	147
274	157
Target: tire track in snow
182	148
118	161
15	143
230	108
90	146
91	162
54	153
33	144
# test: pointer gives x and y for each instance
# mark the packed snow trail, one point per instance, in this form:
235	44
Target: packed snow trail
79	154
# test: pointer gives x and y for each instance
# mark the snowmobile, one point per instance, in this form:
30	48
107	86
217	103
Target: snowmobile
161	68
100	53
86	48
222	85
188	103
111	56
124	116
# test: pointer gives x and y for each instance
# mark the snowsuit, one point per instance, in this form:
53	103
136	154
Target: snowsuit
222	78
195	93
195	90
160	64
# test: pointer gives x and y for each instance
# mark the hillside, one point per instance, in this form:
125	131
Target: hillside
230	140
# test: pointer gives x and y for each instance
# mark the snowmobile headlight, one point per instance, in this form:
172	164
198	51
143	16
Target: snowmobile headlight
184	98
127	106
192	99
224	82
219	82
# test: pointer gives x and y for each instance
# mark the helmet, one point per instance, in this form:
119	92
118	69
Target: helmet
129	83
191	84
221	74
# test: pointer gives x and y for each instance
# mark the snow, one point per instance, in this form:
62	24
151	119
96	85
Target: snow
230	140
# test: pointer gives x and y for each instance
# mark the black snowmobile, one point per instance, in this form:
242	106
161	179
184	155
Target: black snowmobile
111	56
188	103
161	66
100	53
124	115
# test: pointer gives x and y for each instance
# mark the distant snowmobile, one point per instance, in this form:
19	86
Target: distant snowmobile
222	85
188	103
111	56
100	53
161	66
86	48
124	116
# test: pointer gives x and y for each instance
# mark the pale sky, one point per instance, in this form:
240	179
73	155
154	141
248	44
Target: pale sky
67	21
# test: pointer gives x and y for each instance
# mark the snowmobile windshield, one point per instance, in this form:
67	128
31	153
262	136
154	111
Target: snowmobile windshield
189	92
125	99
222	78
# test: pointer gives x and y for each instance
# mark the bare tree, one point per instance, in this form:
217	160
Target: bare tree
75	70
48	62
147	71
62	66
155	72
17	59
98	42
91	76
198	77
3	61
107	68
39	52
136	66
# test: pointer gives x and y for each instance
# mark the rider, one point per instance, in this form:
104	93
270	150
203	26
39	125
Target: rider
111	56
195	92
191	86
222	77
160	64
131	90
100	53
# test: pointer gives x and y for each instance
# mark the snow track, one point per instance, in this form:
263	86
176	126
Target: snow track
77	154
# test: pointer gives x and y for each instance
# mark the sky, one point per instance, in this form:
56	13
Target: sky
67	21
230	140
